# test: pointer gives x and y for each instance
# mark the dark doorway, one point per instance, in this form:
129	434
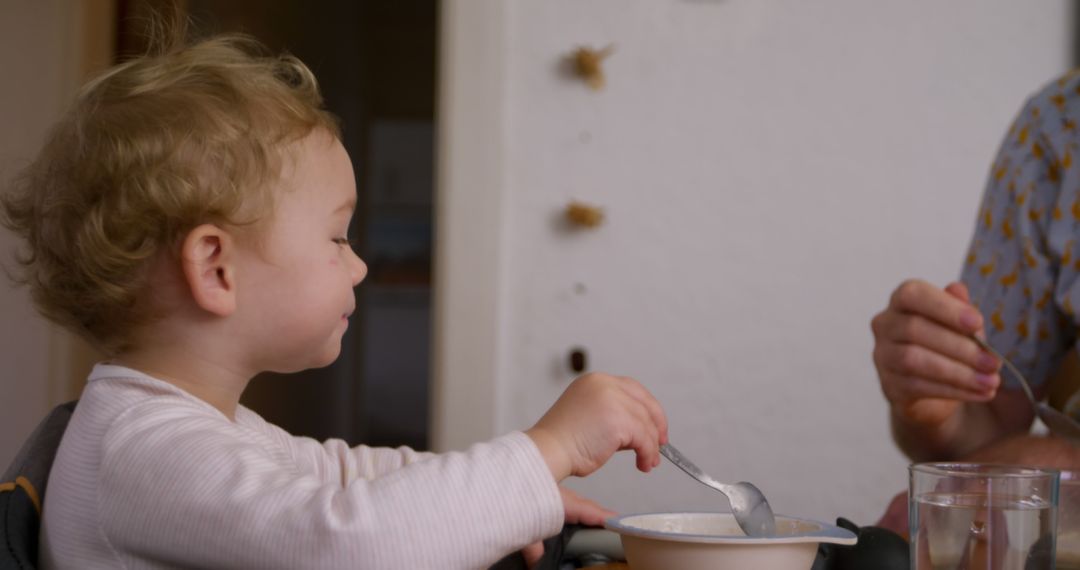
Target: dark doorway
376	65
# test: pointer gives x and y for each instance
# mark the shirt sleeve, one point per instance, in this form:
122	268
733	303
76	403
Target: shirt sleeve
190	490
1023	261
333	460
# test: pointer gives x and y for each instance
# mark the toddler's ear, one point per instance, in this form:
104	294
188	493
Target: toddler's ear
206	257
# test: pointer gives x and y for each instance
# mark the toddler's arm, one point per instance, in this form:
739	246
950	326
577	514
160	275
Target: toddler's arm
333	460
189	492
596	416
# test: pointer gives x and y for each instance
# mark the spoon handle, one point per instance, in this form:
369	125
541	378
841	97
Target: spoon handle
1005	361
680	461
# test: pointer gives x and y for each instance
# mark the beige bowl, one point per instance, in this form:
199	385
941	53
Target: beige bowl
713	541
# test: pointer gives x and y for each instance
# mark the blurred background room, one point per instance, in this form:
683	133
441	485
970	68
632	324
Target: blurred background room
765	173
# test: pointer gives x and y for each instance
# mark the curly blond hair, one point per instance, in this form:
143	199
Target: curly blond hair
149	150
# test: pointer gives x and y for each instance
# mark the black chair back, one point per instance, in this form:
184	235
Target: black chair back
22	490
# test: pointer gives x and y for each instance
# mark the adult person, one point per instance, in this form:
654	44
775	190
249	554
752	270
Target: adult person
1019	287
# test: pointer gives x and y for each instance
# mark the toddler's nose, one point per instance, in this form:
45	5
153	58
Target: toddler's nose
357	269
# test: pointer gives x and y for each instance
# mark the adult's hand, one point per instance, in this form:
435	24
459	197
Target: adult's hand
927	365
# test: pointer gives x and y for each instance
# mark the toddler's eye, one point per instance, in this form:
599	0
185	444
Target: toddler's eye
344	241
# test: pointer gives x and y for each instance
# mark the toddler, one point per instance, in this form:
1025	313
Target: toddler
188	216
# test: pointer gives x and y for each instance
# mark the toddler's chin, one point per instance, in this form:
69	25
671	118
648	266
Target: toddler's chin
328	356
314	359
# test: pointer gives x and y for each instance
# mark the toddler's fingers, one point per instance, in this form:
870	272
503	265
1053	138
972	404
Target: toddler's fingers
656	411
580	510
532	554
644	440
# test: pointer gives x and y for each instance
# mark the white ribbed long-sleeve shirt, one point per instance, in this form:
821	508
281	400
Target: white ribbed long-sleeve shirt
149	476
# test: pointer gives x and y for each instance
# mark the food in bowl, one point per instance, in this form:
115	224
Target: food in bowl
714	541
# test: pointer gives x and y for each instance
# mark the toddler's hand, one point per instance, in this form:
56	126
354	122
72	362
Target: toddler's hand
579	510
596	416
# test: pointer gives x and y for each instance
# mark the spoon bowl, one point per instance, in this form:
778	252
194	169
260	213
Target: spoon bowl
748	504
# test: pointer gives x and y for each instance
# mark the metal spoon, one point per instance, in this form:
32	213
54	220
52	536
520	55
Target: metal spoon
748	504
1060	424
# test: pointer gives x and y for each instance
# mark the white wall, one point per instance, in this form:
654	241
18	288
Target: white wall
46	47
770	170
33	52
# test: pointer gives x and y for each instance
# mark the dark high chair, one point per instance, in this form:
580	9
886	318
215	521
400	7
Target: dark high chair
22	490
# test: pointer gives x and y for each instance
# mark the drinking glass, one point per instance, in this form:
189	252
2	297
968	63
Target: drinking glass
995	517
1068	533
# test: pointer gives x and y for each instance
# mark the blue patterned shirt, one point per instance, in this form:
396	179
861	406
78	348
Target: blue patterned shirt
1023	265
